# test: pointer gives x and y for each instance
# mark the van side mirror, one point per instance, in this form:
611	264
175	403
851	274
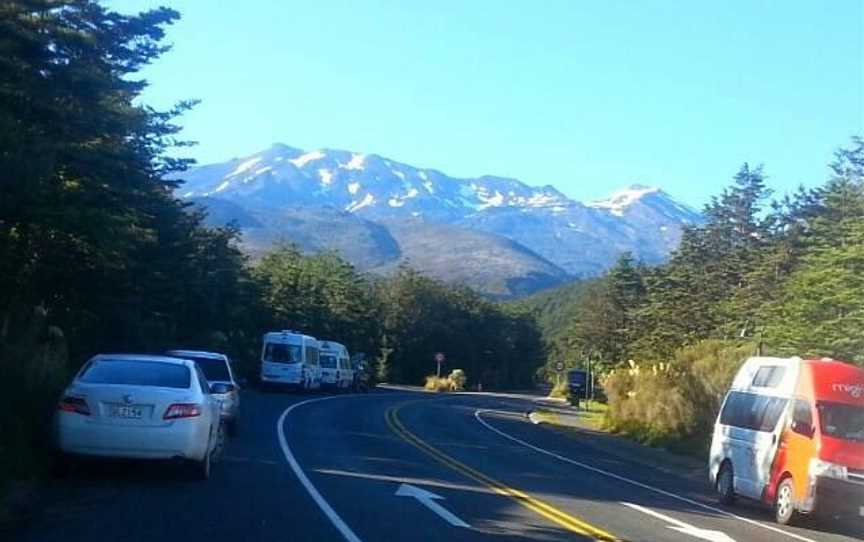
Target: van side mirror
802	428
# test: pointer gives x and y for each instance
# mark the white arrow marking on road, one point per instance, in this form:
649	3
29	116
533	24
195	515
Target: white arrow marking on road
681	527
428	499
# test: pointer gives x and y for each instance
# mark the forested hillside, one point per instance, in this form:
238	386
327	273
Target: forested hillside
96	253
780	276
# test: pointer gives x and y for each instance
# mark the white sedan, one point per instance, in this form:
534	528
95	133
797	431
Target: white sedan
140	407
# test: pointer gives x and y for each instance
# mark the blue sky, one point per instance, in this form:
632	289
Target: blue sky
585	96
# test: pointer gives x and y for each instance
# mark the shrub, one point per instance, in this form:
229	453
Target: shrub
675	401
437	384
457	380
453	382
560	391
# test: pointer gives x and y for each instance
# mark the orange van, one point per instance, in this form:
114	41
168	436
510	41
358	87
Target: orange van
791	434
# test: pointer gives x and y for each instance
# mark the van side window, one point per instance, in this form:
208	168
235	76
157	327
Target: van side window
802	417
751	411
771	410
769	376
312	355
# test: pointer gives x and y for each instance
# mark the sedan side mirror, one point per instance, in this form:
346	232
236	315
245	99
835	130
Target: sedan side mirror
220	388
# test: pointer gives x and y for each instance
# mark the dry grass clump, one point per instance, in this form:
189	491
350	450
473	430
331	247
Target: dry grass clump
678	401
455	381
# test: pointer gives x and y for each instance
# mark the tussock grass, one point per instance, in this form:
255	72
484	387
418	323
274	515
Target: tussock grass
436	384
455	381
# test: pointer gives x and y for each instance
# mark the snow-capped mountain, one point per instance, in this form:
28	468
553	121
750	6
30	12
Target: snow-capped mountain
359	183
288	193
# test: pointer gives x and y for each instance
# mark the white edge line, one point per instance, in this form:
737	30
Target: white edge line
325	507
658	515
477	415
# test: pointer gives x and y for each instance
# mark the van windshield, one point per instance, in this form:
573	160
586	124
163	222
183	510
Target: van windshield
328	362
282	353
841	421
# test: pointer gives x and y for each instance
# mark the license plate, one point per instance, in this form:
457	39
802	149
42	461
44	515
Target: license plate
131	412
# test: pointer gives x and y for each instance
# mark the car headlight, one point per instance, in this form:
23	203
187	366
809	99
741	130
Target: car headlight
829	470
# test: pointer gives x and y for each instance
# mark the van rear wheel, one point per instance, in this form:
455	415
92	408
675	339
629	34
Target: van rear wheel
725	484
784	502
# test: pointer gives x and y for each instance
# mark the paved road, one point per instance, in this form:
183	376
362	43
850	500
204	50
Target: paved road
394	466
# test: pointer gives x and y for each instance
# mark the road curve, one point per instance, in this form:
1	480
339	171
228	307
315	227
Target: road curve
402	465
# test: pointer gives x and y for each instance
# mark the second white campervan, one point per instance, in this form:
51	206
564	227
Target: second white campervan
290	358
336	370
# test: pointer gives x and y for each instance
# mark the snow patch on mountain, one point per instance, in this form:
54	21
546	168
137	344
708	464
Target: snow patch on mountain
245	166
620	200
355	206
357	162
490	200
326	176
304	159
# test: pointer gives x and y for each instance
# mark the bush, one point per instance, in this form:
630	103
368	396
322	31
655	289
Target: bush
560	391
677	401
437	384
454	382
457	380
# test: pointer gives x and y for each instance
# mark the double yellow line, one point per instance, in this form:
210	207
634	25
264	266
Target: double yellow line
535	505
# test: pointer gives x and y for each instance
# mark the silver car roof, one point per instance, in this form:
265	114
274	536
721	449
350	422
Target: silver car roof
141	357
197	354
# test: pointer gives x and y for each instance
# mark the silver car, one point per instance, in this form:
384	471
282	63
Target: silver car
217	369
140	407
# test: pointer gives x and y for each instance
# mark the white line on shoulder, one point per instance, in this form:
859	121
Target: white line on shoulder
325	507
478	416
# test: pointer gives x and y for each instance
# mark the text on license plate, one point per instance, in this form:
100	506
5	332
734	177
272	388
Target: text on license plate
126	412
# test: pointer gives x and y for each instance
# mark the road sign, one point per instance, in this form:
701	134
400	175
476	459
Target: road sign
439	359
559	366
578	381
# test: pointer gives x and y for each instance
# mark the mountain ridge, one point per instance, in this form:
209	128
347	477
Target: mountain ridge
288	192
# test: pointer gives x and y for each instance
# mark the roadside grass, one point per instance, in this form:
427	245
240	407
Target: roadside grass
437	384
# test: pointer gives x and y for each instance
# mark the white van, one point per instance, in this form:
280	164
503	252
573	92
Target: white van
791	434
336	370
290	358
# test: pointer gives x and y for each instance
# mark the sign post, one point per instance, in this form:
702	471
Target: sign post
439	359
559	368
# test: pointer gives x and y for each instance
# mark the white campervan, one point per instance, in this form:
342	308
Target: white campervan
290	358
791	434
336	370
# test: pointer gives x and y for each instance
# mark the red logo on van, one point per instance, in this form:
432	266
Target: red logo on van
855	390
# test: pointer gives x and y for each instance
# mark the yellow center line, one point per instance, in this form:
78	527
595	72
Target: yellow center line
544	509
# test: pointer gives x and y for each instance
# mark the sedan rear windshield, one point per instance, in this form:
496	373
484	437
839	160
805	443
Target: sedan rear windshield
841	421
137	373
328	362
215	370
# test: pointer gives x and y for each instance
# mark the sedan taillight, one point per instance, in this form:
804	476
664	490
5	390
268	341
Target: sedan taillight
74	404
182	410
